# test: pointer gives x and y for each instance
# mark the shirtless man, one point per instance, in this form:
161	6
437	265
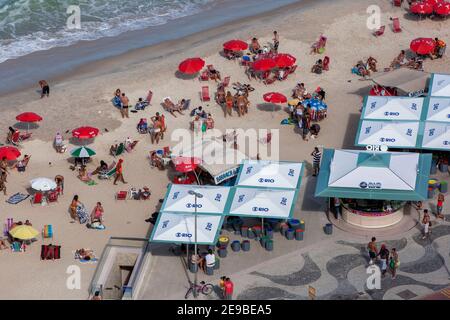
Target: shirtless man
241	104
372	248
125	101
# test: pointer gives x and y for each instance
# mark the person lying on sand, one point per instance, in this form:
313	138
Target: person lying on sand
83	174
171	107
399	61
213	73
372	64
84	254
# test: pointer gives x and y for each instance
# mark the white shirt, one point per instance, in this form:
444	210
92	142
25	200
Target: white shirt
210	260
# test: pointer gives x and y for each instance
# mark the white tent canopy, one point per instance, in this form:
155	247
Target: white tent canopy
390	133
178	199
440	86
219	159
438	109
436	135
393	108
389	171
180	228
262	203
270	174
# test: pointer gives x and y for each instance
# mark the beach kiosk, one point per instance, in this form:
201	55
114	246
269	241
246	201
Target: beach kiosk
219	160
400	82
373	187
439	85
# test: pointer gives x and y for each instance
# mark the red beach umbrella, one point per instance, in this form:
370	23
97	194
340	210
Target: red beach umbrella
186	164
29	117
422	45
421	8
275	97
432	2
85	132
284	60
442	8
235	45
11	153
264	64
191	65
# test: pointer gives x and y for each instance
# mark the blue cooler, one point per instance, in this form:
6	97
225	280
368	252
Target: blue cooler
328	228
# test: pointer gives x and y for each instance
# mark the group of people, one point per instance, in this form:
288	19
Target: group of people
386	259
20	165
201	120
364	69
426	219
255	47
156	129
78	213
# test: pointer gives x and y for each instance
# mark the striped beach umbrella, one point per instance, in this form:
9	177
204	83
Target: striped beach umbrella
82	152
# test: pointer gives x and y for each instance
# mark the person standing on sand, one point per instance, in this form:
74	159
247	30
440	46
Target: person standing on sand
125	102
119	172
276	41
73	208
45	88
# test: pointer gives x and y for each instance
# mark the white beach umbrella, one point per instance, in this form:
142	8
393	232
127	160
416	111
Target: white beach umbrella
180	228
43	184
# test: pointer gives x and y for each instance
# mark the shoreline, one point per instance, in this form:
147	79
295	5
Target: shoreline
60	62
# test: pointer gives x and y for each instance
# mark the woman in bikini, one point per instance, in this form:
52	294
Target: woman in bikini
73	208
229	104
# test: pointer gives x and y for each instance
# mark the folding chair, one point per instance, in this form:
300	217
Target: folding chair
37	198
120	150
396	25
107	175
149	97
204	76
205	94
293	68
379	32
122	195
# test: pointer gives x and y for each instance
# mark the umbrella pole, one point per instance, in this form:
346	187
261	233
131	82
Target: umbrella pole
196	176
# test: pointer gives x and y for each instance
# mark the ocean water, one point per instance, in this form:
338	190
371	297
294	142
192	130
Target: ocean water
27	26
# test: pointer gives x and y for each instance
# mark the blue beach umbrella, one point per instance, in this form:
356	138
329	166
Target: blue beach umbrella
315	104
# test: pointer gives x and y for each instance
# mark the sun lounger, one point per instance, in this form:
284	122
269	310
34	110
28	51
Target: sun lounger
205	94
396	25
17	138
149	97
108	174
16	198
293	69
379	32
52	196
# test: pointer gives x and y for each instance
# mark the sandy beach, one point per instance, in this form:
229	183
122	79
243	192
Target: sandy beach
84	98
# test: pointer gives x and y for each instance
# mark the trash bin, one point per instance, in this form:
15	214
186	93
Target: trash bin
193	267
299	234
283	228
222	252
268	233
263	241
251	234
236	246
245	245
244	231
302	225
223	241
210	271
217	264
443	166
274	224
257	230
290	234
433	169
444	187
430	193
269	245
294	223
328	228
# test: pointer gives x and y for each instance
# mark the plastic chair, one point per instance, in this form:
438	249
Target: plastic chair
37	198
204	76
396	25
53	196
379	32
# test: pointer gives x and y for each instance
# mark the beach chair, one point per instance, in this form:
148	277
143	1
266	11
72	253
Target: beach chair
396	25
37	198
122	195
107	175
47	232
204	76
397	3
379	32
205	94
226	82
326	63
120	150
269	81
16	247
17	138
293	68
52	196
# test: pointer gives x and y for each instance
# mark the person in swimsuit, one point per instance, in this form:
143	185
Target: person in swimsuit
45	88
229	104
97	213
125	101
73	208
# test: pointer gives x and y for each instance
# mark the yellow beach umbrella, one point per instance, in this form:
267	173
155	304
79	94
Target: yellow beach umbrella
23	232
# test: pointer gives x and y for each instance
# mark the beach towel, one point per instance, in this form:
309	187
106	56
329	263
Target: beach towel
287	121
82	214
18	197
116	102
91	183
50	252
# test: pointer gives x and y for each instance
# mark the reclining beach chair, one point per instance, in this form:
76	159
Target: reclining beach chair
293	69
120	150
326	63
379	32
17	138
149	97
396	25
205	94
204	76
122	195
107	175
47	232
52	196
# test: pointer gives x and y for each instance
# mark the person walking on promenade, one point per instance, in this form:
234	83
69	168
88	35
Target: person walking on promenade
372	248
426	222
119	172
222	286
384	257
317	155
229	286
337	207
440	204
394	263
